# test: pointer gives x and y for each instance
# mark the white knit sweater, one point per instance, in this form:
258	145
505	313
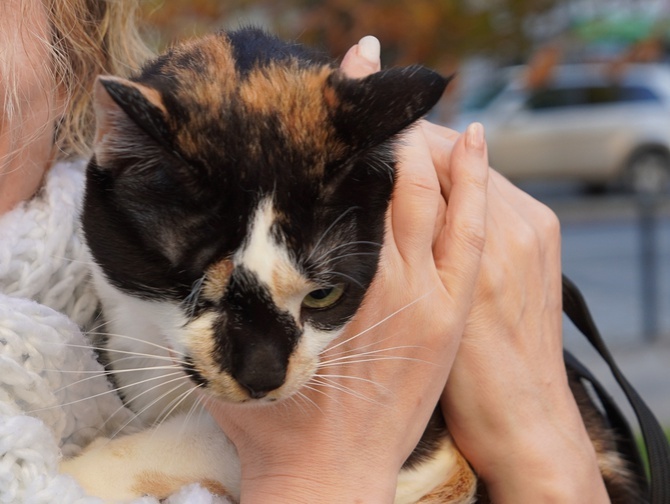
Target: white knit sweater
53	396
42	254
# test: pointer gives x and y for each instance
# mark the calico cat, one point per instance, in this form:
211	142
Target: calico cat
235	210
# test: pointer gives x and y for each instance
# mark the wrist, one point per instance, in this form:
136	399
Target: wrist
549	465
533	450
331	462
326	484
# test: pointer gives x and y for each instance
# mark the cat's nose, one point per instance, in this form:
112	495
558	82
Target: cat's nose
260	373
259	386
255	394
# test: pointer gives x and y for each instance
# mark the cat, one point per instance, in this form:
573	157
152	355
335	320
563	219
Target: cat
234	209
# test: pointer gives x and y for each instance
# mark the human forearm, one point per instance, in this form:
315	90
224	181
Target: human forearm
539	458
508	403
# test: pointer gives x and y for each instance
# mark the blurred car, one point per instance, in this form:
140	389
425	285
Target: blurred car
583	123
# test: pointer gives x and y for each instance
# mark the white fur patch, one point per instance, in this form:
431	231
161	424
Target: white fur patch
260	252
138	334
264	257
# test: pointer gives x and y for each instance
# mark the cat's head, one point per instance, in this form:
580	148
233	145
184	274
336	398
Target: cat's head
244	189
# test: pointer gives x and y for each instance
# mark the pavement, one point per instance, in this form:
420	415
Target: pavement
602	253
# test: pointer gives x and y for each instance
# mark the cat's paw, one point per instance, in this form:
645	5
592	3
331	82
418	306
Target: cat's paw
159	462
104	469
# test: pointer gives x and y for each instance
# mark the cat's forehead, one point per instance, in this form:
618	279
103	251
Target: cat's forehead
213	93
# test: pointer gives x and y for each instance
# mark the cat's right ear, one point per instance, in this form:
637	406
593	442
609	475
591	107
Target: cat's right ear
371	110
126	113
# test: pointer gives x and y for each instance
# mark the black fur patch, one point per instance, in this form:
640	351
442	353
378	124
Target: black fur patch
254	338
190	369
253	48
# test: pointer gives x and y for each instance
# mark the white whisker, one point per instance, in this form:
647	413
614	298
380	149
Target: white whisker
116	362
159	398
339	273
198	403
124	406
377	324
329	383
323	235
382	358
352	244
94	329
162	416
100	394
151	389
343	256
124	352
355	352
191	300
350	377
298	399
105	374
348	356
139	340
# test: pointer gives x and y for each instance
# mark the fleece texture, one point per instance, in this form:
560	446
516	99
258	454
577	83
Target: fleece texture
54	395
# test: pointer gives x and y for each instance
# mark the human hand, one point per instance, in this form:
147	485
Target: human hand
507	401
347	442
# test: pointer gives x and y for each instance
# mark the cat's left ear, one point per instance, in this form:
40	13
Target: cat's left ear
368	111
126	112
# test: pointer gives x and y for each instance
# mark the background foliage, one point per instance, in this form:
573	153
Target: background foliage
438	33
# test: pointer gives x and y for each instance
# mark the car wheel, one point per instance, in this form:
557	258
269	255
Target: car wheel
648	172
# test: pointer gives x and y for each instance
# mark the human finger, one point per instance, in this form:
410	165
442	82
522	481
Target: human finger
362	59
458	250
442	131
440	144
415	202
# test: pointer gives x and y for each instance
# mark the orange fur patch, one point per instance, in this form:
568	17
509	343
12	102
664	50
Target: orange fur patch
202	350
460	488
123	450
214	487
210	82
162	485
286	284
212	78
157	484
216	279
300	99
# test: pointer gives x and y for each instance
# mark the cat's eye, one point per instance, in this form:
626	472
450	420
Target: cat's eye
324	297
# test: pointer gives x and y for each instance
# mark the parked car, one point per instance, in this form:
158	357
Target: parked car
586	123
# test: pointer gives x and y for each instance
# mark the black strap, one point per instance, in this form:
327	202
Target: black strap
658	450
625	440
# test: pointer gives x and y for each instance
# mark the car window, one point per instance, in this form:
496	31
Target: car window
638	94
600	95
480	98
614	94
552	98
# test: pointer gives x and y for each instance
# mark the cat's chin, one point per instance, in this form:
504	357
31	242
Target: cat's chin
223	387
273	397
251	401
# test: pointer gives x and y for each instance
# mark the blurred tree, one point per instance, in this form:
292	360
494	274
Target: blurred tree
434	32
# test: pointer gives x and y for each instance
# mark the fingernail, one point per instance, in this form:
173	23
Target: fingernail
369	48
474	137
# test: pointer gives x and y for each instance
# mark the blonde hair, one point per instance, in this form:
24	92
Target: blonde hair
82	39
88	38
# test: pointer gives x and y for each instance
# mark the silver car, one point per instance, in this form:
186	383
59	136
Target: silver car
594	123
